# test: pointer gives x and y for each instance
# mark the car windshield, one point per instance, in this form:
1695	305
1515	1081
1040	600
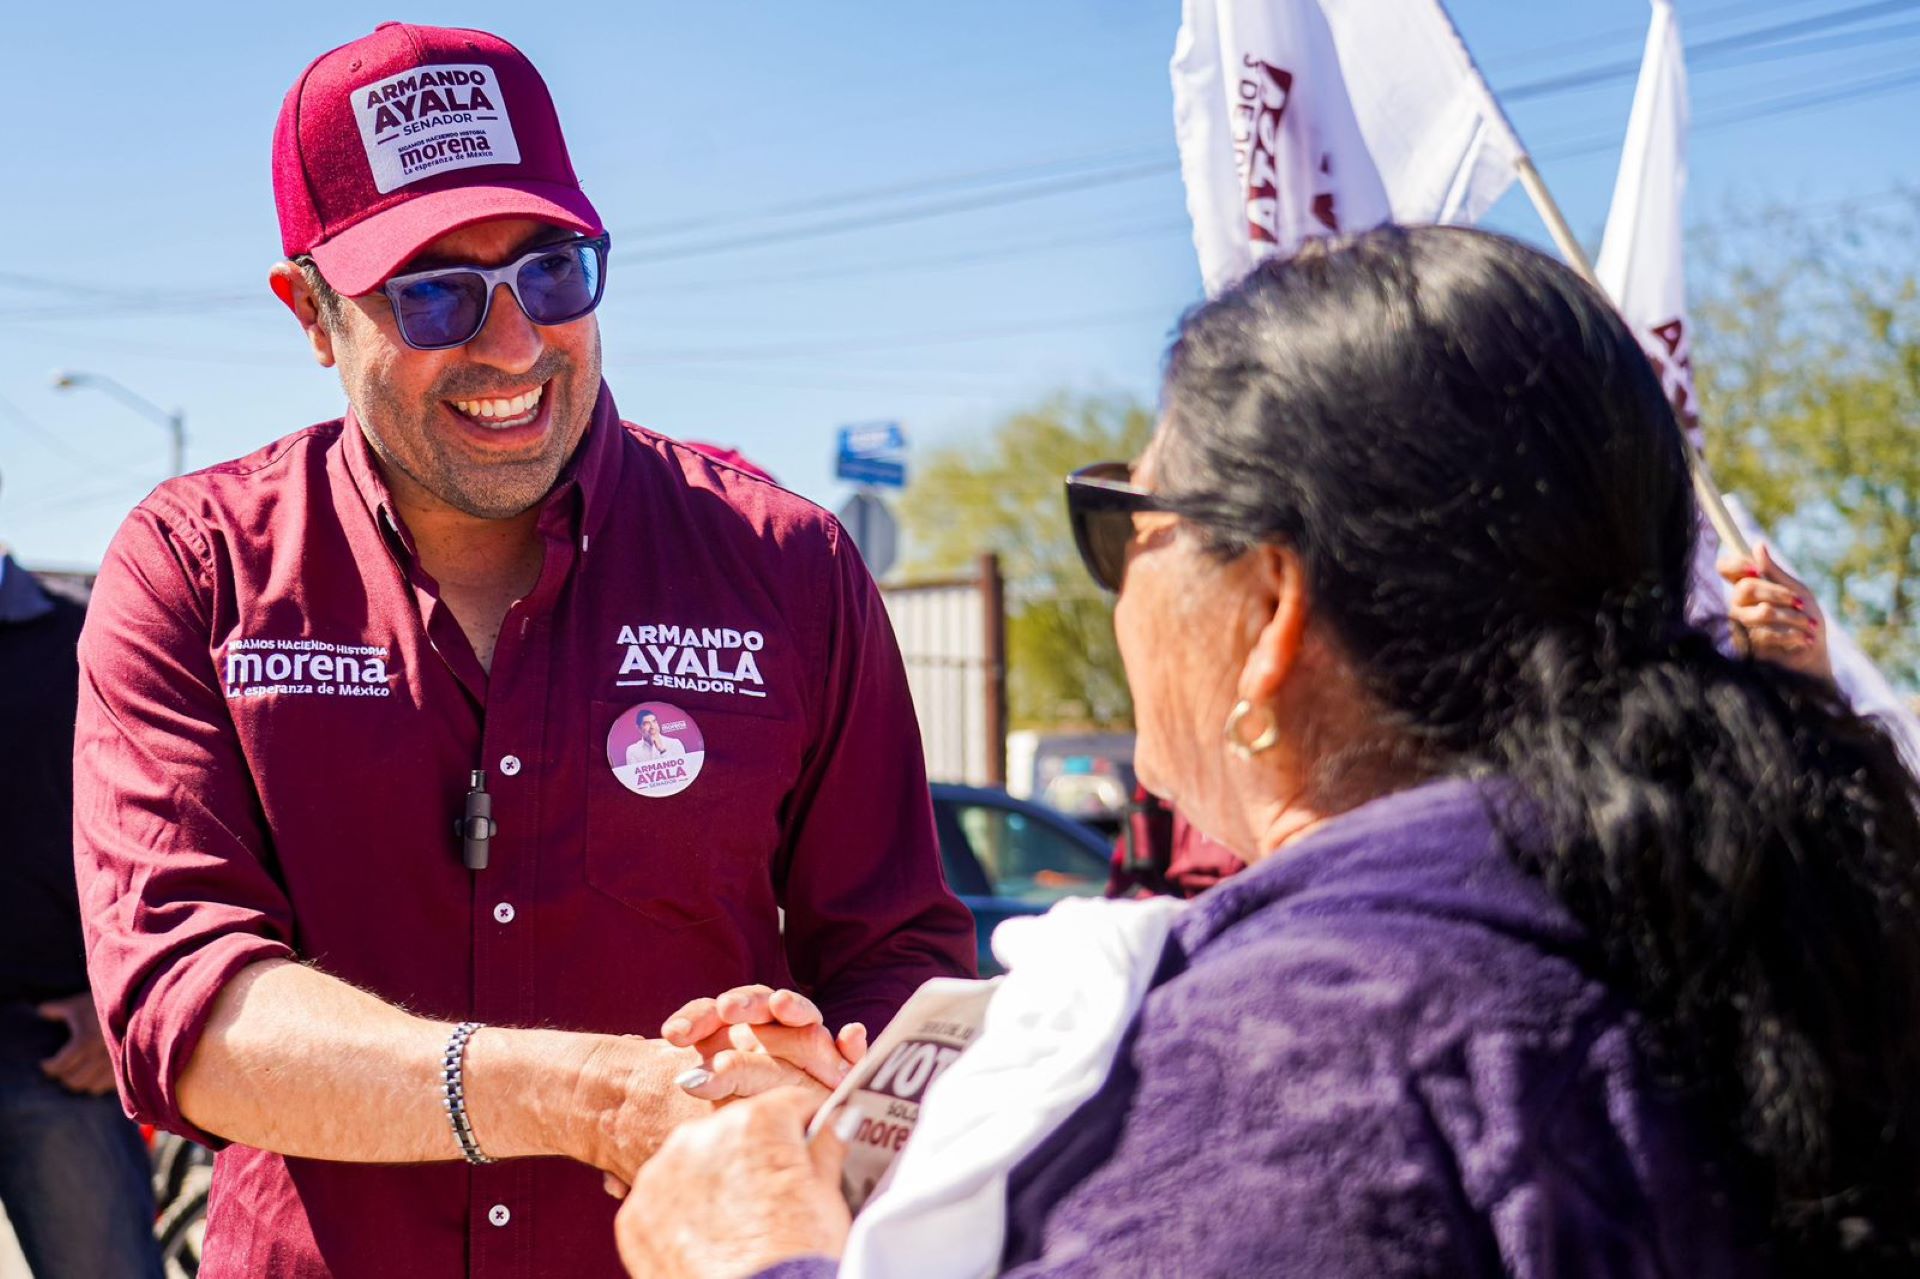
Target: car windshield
1023	857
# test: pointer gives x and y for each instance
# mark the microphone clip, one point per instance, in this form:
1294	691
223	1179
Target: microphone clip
476	827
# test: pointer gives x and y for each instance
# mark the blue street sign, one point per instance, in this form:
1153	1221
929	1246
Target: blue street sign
869	439
871	471
874	454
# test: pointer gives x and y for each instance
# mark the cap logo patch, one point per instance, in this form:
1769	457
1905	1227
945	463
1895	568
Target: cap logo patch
433	120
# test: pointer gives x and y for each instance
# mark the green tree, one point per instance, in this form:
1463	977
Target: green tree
1001	492
1808	366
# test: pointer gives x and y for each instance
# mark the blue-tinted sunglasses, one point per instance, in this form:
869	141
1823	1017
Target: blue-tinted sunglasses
447	306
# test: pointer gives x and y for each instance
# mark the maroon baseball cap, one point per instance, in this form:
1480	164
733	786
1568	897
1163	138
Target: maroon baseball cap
390	142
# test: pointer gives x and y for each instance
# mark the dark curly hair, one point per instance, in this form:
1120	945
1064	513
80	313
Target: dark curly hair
1484	480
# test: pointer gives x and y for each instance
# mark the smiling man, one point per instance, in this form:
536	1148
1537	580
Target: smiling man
355	710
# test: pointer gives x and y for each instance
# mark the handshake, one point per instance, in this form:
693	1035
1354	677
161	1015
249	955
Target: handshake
656	1117
626	1094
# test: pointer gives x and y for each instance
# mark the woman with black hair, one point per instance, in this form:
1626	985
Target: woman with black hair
1569	945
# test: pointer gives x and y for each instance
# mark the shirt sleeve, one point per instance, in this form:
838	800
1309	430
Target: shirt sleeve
869	916
170	850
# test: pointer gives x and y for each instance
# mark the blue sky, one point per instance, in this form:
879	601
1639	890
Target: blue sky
729	145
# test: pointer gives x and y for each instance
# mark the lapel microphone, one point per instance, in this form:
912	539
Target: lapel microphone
476	827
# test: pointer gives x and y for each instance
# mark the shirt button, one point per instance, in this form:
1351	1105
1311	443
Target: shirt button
509	765
499	1215
504	912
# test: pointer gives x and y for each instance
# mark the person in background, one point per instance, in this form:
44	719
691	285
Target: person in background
1568	945
73	1170
1161	853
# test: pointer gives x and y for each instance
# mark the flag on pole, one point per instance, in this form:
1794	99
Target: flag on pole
1444	146
1269	146
1298	118
1641	264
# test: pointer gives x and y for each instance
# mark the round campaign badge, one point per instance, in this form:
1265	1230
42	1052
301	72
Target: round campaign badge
655	749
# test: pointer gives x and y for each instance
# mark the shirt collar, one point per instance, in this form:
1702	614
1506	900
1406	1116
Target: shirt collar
21	599
582	495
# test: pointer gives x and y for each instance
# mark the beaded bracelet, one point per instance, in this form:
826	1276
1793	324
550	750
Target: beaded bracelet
452	1088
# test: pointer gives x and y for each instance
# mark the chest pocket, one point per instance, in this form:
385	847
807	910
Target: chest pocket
684	813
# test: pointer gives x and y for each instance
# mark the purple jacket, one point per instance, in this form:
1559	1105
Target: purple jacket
1383	1053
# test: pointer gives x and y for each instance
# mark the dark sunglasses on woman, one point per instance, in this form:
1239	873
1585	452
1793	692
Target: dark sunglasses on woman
1101	502
447	306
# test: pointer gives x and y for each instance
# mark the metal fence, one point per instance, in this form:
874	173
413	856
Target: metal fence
953	639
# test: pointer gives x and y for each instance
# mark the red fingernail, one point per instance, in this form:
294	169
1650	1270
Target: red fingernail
1747	572
1799	603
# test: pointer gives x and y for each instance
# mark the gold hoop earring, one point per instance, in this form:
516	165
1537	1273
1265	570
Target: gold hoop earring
1267	740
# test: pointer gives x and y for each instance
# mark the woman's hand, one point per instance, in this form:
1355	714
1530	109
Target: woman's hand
1775	618
753	1038
736	1193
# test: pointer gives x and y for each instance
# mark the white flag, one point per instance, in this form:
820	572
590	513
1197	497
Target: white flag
1641	264
1269	146
1308	117
1442	143
1643	268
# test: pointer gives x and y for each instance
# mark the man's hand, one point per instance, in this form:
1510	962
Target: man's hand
754	1038
82	1064
734	1194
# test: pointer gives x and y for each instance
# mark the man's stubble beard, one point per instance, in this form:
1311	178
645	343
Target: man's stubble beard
484	490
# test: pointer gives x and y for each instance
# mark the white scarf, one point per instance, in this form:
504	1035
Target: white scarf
1076	977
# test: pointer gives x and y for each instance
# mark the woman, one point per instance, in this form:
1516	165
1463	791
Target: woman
1568	945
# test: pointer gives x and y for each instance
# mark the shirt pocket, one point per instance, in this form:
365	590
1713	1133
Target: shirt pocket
684	817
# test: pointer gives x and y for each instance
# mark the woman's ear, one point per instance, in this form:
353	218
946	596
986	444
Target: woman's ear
1278	581
289	284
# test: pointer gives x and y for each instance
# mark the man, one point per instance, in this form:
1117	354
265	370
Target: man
653	744
73	1171
304	670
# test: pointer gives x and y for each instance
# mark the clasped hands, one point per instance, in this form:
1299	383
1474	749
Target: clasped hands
744	1188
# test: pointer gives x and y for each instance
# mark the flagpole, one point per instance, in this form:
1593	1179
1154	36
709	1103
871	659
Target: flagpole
1703	486
1570	247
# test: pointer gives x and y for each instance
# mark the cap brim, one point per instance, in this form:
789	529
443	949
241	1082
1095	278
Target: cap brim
358	259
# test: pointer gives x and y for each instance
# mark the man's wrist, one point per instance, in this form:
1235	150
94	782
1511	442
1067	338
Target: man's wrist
519	1085
587	1097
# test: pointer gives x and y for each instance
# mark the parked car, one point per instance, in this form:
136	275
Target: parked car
1006	857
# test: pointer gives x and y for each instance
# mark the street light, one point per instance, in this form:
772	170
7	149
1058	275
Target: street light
175	422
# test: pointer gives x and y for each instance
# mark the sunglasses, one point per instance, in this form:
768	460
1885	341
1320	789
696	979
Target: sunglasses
1101	502
447	306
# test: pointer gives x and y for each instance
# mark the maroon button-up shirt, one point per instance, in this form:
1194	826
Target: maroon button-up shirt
697	717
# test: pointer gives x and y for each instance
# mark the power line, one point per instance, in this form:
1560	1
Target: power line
1695	21
1706	51
1748	113
84	497
915	213
47	439
902	266
999	176
813	349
